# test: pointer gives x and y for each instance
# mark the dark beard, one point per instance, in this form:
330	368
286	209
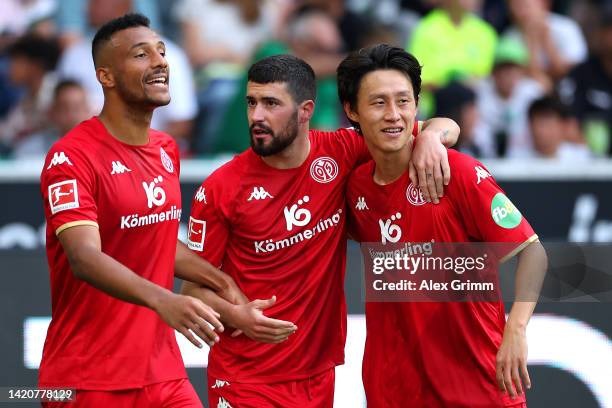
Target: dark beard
279	142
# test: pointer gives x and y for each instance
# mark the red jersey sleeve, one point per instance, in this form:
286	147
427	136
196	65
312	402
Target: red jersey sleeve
489	215
68	185
208	227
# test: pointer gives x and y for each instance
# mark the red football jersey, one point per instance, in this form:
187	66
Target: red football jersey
281	232
434	354
132	194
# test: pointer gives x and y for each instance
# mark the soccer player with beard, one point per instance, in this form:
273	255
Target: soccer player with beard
274	219
432	354
112	203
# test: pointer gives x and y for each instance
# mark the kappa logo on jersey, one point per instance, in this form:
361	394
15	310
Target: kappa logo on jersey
59	158
481	174
63	196
223	403
504	213
119	168
297	216
201	195
361	204
196	235
388	231
166	160
259	193
324	169
414	195
220	384
155	194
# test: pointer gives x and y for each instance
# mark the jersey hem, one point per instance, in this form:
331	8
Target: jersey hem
75	224
519	248
111	387
275	378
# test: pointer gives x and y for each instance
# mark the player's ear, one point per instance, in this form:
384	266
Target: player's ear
105	77
306	109
349	112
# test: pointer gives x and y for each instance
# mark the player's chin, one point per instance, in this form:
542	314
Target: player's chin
158	100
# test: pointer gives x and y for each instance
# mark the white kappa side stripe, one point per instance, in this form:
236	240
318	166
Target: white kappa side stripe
59	158
223	403
200	195
119	168
361	204
259	193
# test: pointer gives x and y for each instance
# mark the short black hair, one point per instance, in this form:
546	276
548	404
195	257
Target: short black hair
105	32
285	68
64	84
548	105
380	56
41	50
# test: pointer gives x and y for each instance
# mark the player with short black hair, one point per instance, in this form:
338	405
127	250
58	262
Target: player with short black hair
432	354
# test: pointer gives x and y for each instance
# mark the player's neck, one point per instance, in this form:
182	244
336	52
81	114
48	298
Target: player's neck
391	166
128	124
293	156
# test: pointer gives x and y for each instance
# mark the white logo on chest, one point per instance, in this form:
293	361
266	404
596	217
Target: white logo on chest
155	194
389	231
324	170
414	196
166	160
297	216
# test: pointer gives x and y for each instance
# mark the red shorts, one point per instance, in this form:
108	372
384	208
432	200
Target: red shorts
312	392
170	394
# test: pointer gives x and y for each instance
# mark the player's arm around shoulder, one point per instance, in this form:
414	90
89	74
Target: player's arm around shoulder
429	167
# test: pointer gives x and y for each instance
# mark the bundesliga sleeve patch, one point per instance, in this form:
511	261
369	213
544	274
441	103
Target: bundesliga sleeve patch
504	213
63	196
196	235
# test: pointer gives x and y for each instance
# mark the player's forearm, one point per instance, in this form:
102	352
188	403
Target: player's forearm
110	276
190	267
446	129
209	297
531	269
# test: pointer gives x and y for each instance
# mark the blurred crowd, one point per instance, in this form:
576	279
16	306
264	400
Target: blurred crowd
523	78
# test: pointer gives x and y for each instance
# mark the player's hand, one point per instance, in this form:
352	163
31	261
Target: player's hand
429	167
233	294
250	319
511	362
190	316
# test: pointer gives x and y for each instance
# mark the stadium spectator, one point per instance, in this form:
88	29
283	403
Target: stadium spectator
588	90
68	108
312	35
551	127
452	42
73	22
503	100
176	118
32	60
219	37
555	42
19	17
458	102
